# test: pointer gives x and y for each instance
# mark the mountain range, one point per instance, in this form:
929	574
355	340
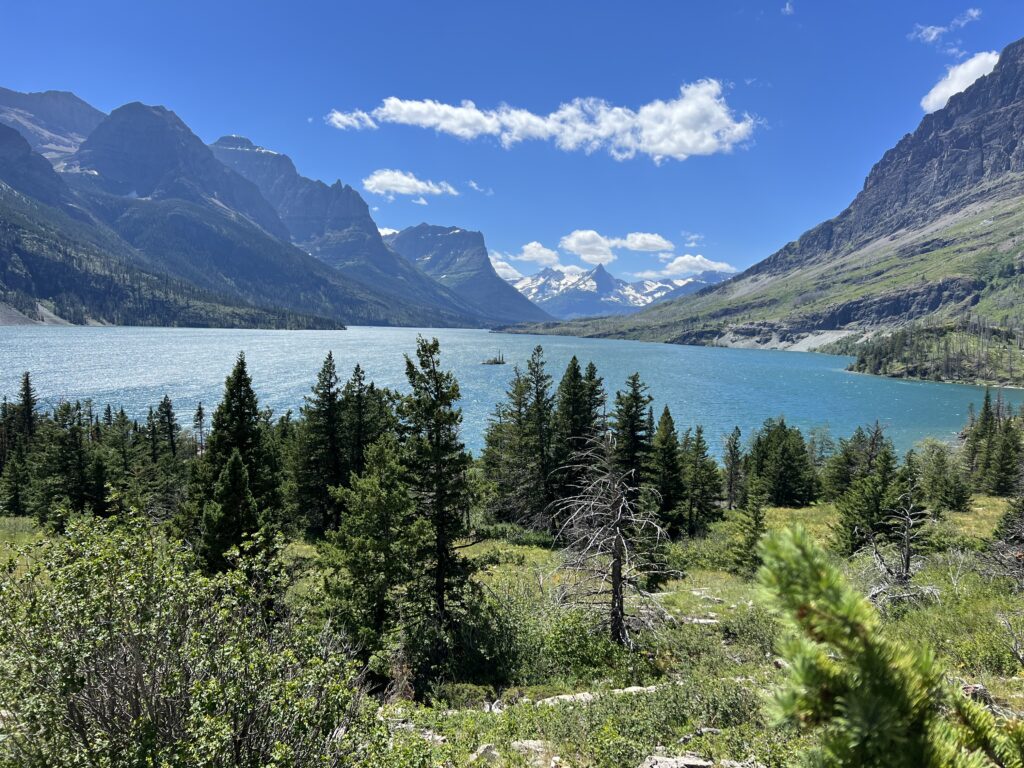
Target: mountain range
130	218
568	295
934	236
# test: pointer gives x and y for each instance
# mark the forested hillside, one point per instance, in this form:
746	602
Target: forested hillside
347	585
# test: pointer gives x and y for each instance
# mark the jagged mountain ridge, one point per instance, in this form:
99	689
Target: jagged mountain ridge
333	223
147	193
933	235
458	259
55	123
569	295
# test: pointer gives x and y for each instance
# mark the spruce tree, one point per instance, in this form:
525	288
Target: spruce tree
509	458
367	413
14	483
1003	472
630	430
319	460
167	426
230	515
732	475
575	425
199	428
540	417
596	398
373	555
27	401
666	473
437	465
702	484
751	527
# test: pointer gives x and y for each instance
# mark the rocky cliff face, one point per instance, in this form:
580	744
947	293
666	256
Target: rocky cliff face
143	151
54	123
333	223
977	136
26	171
458	258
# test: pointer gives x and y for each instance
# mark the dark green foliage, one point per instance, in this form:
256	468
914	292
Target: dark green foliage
631	429
231	514
732	474
437	466
702	484
778	456
864	452
751	529
872	701
665	474
319	463
371	557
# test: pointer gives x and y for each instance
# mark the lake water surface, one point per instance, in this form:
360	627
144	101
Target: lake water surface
719	388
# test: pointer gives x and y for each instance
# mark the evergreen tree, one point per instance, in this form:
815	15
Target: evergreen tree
575	425
540	417
372	555
751	529
230	515
630	430
167	426
238	424
862	512
778	456
733	473
14	483
596	398
509	458
27	401
702	484
1003	471
199	429
666	473
367	413
437	465
320	464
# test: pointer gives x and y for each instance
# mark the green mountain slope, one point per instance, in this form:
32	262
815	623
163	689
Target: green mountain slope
935	236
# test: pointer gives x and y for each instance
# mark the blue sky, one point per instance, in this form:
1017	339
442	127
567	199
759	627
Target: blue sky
582	111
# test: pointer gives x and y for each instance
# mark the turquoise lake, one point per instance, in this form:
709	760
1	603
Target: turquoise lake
719	388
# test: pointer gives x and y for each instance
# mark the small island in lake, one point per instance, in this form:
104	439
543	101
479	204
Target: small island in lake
498	359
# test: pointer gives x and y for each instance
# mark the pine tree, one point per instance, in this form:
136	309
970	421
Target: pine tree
167	426
539	418
14	483
778	456
630	430
320	464
575	425
27	401
862	512
751	529
238	424
666	474
873	701
1003	472
372	555
437	465
509	458
702	484
230	515
596	398
367	413
199	428
733	473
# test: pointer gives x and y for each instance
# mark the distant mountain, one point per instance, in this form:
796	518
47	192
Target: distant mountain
569	295
58	264
145	208
333	223
458	259
54	123
933	237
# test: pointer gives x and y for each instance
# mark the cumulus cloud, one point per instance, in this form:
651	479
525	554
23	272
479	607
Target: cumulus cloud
389	182
594	248
958	78
536	253
696	122
692	239
505	270
681	266
385	231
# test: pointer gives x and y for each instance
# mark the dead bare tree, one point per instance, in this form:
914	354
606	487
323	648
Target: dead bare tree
612	538
898	558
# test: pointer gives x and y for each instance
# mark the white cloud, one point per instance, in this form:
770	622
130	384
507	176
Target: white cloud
344	121
505	270
390	182
478	188
687	264
788	9
536	253
692	239
594	248
958	78
932	34
385	231
421	200
697	122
